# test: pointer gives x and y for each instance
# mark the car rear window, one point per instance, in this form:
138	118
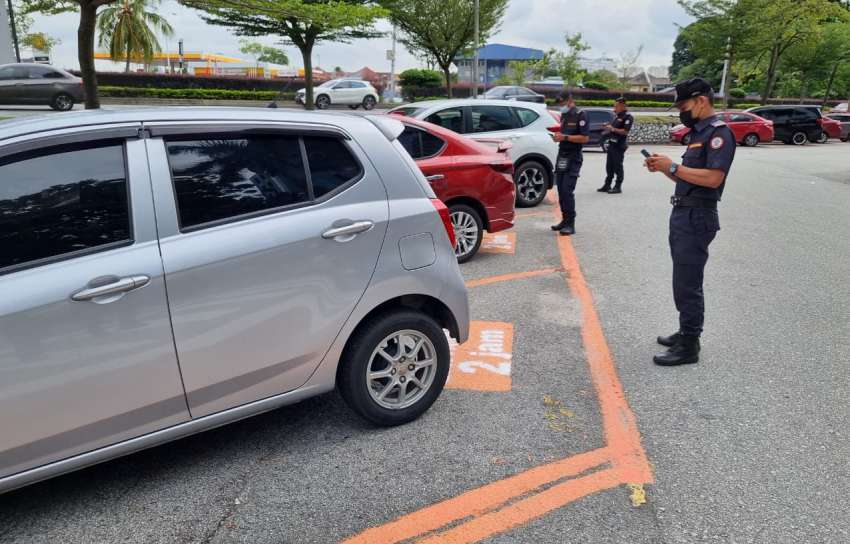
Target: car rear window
61	201
332	166
492	119
220	178
597	117
420	144
526	116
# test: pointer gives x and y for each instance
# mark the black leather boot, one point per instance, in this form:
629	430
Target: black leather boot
686	352
605	188
616	190
569	228
564	220
670	341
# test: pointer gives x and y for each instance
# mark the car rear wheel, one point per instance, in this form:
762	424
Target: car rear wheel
369	103
394	368
751	140
686	139
799	138
62	102
532	182
323	102
823	138
469	231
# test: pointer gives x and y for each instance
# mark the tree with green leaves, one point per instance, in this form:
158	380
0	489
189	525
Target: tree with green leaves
129	28
39	41
85	35
265	53
302	23
566	63
442	29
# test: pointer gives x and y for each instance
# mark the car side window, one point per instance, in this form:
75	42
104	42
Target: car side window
332	166
7	73
492	119
59	201
342	85
805	114
219	178
40	72
598	117
740	118
451	118
357	85
431	145
420	144
526	116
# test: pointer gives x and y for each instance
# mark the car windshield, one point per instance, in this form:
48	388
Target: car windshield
496	92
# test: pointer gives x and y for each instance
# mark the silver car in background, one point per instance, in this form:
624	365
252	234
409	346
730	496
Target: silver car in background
39	85
163	272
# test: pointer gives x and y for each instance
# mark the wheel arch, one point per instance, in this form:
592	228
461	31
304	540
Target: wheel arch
474	204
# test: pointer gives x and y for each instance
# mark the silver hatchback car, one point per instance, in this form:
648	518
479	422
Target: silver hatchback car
163	272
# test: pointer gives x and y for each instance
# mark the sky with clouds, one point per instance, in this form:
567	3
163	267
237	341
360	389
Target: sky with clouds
610	28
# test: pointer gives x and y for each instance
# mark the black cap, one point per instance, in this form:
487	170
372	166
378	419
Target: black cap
691	88
621	100
564	96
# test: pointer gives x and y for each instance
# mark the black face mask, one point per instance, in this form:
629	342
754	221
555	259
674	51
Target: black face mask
687	119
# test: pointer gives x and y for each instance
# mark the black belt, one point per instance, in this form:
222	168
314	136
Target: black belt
692	202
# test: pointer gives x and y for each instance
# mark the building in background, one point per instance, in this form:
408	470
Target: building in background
493	62
645	82
598	63
7	47
380	80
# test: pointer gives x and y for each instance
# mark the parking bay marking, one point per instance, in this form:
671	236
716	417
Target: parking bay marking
483	363
500	242
510	503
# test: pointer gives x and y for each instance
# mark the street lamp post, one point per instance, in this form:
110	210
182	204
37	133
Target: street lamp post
723	83
475	54
14	29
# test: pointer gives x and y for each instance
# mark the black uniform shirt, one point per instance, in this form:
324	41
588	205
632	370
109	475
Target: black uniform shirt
573	123
625	121
712	146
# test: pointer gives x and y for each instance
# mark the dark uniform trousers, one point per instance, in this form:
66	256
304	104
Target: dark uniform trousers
691	232
614	164
566	182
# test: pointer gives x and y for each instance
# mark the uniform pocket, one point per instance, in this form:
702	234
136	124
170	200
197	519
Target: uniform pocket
704	220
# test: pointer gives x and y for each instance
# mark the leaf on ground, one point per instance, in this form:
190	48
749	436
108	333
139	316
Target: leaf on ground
638	496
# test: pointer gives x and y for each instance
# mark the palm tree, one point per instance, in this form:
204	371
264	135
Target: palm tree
129	31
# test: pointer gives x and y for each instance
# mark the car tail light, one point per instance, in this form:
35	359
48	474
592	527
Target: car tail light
557	117
447	219
503	166
504	146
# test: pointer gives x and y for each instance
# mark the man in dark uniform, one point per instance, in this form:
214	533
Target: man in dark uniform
618	131
699	180
574	134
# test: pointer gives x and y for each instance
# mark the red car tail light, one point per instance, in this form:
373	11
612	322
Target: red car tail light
504	146
557	117
447	219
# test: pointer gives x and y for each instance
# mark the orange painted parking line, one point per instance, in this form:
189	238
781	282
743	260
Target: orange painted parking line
483	363
500	242
511	277
478	501
618	420
525	510
534	214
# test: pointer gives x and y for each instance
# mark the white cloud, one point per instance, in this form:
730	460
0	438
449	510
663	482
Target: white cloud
610	28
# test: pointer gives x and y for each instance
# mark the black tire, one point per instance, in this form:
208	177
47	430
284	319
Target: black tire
686	139
62	102
751	140
353	106
823	138
532	180
323	102
369	103
799	138
356	361
456	211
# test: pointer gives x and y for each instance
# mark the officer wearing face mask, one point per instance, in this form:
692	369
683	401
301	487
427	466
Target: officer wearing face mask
574	134
617	144
700	181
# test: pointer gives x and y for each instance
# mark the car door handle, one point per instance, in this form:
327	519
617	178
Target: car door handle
108	286
348	230
435	177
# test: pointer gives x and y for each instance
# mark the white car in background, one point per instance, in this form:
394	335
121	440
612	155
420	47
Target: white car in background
525	125
349	92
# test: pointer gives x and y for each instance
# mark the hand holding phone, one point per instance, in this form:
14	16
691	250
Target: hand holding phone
645	153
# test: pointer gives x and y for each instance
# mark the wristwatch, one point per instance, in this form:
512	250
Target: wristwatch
673	168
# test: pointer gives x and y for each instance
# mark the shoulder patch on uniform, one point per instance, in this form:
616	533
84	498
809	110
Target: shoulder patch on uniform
582	123
717	142
719	123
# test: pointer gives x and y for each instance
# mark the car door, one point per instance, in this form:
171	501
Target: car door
269	238
7	84
427	150
343	93
741	124
86	352
597	120
15	86
781	122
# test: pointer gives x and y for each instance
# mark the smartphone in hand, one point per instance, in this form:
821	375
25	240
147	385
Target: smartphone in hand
645	153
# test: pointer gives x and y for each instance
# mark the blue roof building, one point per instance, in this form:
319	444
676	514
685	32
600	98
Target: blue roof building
493	61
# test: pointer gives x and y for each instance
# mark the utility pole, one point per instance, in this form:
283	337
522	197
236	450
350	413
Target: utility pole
15	31
475	56
392	66
180	54
723	83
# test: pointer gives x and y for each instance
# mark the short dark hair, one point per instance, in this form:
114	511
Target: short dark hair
565	96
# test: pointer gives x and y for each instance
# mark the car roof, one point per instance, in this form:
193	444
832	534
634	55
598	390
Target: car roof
43	123
450	102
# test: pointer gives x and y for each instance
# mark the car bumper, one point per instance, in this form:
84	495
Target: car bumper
299	99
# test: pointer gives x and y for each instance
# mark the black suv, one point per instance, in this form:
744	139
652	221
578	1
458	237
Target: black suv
793	124
598	118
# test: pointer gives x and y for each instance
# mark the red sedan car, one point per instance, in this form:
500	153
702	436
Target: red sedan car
749	129
831	128
475	181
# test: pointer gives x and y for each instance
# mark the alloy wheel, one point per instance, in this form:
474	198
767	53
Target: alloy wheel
799	138
466	233
368	103
401	369
323	102
63	102
751	140
531	184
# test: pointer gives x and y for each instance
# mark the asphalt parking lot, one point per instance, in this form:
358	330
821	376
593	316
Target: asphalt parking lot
556	427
